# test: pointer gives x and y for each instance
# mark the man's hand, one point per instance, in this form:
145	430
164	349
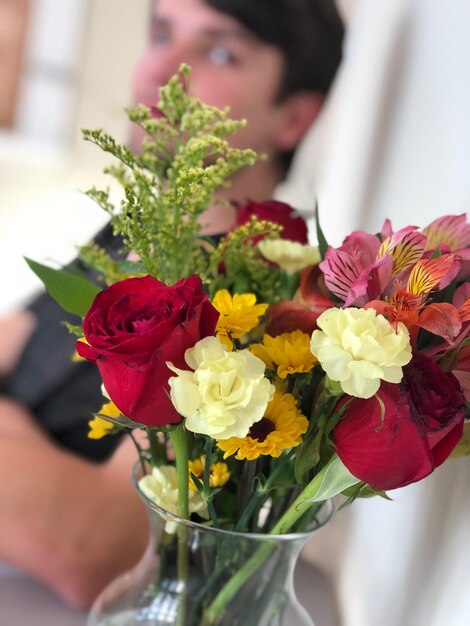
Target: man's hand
15	330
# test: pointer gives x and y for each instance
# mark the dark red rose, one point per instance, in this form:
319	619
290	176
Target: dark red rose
294	227
133	327
421	423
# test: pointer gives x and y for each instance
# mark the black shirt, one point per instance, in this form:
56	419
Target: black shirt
62	394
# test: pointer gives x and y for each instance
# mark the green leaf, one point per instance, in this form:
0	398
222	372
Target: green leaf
74	329
73	293
362	490
198	484
332	480
322	242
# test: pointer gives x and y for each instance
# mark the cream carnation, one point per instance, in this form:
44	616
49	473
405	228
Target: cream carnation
161	487
225	394
359	348
291	256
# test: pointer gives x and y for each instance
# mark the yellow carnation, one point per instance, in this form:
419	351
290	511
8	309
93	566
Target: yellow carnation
288	353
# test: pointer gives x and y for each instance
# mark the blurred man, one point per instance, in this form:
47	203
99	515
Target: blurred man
69	521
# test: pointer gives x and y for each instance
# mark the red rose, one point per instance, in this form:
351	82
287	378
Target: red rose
421	424
294	227
133	327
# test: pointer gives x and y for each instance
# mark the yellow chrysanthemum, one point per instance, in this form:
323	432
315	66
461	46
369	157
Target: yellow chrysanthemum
219	473
100	427
238	314
288	353
281	428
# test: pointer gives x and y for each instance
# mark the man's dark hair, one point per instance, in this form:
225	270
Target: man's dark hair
309	33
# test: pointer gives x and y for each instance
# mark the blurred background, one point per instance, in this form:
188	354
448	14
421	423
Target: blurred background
64	65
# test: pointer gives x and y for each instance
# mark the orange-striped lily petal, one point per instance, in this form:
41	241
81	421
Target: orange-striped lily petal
428	273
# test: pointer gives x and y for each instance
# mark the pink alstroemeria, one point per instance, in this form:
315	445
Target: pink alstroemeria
451	231
363	268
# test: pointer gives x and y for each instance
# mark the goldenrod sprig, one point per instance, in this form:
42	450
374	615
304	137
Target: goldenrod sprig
183	161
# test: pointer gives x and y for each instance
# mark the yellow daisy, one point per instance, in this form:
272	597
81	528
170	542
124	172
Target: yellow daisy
100	427
238	314
219	473
288	353
281	428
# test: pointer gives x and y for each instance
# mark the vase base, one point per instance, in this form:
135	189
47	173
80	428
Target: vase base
135	617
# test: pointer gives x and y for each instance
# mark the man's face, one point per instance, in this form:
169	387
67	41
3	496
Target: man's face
229	67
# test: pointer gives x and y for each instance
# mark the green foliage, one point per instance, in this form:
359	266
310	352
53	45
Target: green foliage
184	159
361	490
245	269
73	329
332	480
109	269
72	292
322	242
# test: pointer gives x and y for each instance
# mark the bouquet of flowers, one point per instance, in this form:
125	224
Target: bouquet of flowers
267	374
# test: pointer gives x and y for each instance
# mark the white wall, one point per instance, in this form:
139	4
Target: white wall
77	75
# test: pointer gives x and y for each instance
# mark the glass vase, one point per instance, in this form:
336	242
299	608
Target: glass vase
196	575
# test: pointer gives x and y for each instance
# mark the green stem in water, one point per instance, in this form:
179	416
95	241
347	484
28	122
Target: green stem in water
293	513
260	495
207	492
180	447
139	451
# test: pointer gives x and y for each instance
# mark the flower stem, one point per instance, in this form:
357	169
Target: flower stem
180	447
260	495
156	448
139	451
293	513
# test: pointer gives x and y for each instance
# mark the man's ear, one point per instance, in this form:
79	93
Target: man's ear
297	113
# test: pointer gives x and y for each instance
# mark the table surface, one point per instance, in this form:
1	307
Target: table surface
24	602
